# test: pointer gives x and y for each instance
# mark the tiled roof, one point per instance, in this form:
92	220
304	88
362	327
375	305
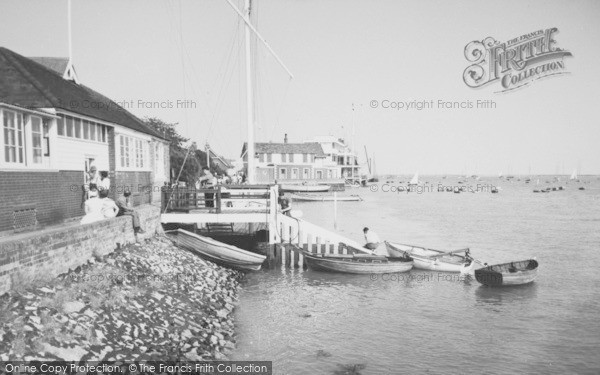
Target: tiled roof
288	148
58	64
29	84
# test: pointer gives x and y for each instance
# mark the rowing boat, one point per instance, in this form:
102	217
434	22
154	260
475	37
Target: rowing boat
434	260
219	252
512	273
305	188
325	198
357	263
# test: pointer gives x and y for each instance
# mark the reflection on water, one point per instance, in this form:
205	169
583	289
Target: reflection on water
506	294
310	322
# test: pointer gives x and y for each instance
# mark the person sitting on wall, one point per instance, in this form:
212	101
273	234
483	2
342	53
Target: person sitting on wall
93	208
109	208
208	181
126	208
104	182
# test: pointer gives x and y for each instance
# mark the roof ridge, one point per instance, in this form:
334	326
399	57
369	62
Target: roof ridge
15	62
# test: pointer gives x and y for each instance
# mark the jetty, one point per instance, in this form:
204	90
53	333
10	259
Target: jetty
227	211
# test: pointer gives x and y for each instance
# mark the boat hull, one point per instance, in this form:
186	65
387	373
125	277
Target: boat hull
354	266
302	198
219	252
523	272
305	188
420	255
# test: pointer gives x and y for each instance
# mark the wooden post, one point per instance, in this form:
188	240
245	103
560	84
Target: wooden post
335	210
288	256
217	197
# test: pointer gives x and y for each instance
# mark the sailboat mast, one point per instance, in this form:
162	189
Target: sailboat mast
249	97
70	32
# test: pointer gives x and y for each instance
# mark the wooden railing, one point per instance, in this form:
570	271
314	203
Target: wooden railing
218	199
308	237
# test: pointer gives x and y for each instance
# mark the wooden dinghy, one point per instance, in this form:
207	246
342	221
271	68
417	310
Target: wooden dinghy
357	263
325	198
219	252
305	188
513	273
434	260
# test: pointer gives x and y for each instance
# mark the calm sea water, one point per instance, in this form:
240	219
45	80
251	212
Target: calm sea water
310	322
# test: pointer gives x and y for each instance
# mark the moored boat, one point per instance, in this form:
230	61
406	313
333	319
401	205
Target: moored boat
305	188
219	252
506	274
357	263
325	198
434	260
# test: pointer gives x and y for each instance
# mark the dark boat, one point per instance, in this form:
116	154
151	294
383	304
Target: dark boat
506	274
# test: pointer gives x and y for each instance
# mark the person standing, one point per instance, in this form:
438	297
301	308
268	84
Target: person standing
208	181
104	182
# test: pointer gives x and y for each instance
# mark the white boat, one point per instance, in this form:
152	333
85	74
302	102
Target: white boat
434	260
508	274
325	198
219	252
305	188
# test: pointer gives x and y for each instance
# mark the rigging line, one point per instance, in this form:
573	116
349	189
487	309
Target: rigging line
225	72
181	48
221	96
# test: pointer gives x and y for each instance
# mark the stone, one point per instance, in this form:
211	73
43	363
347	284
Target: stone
73	306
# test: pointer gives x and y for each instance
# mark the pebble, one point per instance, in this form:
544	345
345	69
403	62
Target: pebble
118	320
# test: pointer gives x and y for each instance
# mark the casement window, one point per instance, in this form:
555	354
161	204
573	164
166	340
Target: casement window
36	139
291	157
282	173
305	158
269	158
294	173
283	158
132	152
159	161
24	139
71	127
14	140
139	154
261	158
305	173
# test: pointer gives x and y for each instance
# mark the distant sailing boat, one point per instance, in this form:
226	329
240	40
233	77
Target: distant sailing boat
573	175
415	179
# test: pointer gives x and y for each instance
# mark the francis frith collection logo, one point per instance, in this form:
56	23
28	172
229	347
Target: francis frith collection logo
515	63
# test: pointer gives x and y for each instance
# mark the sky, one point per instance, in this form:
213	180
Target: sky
345	56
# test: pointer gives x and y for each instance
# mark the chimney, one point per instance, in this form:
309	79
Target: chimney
285	138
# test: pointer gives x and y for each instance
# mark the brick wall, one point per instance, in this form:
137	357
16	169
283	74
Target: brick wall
25	257
55	195
140	184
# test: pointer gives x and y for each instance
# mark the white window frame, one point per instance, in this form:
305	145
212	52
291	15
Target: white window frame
295	173
97	131
27	135
132	153
23	131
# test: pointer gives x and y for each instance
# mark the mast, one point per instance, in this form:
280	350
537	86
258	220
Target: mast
70	32
249	97
249	90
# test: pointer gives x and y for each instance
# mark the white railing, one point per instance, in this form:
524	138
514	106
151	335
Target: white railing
310	237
